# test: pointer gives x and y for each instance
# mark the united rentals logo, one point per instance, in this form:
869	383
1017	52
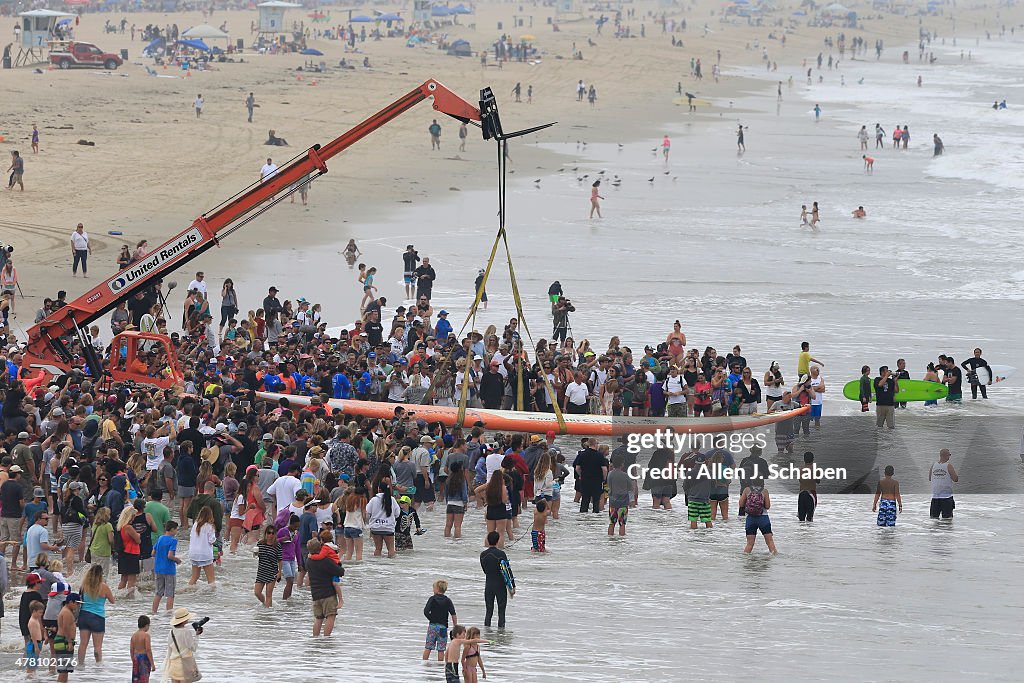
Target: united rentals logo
141	269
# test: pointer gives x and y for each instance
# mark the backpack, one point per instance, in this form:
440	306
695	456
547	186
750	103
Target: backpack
755	501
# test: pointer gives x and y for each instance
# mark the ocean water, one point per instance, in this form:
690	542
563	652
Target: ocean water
716	243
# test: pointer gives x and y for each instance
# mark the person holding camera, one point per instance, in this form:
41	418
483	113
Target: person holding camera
560	314
180	664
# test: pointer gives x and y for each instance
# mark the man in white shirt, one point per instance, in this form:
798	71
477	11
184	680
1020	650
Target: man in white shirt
155	442
80	250
199	105
398	382
283	490
675	393
268	169
199	283
493	462
576	395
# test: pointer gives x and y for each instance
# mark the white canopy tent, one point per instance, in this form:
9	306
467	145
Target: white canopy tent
204	32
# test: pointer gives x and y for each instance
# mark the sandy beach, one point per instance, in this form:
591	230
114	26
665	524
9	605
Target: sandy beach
154	167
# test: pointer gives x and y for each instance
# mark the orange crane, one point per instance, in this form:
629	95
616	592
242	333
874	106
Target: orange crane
47	348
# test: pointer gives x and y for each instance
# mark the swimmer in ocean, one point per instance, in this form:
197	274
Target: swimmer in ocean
859	212
803	216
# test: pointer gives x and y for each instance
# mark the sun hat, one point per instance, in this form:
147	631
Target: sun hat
181	615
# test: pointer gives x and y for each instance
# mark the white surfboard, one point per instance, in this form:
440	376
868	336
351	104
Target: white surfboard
1000	373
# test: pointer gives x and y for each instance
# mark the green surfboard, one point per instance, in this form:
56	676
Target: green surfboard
910	390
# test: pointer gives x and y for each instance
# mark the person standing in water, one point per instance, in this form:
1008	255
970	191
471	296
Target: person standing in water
807	499
755	503
815	217
942	475
817	113
740	144
887	499
595	205
879	136
939	147
869	163
974	376
862	135
666	147
495	589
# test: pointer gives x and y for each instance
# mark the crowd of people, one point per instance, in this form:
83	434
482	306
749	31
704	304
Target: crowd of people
114	479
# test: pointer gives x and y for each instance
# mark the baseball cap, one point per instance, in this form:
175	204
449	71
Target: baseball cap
550	434
371	354
426	439
405	499
33	579
273	289
443	313
15	468
73	597
37	492
311	501
478	358
59	588
344	477
250	468
268	437
403	361
24	435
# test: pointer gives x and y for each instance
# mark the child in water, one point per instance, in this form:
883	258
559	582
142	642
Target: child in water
454	653
403	526
471	658
540	519
888	490
142	652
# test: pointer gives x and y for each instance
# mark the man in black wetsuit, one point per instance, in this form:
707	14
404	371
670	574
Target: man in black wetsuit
494	585
976	376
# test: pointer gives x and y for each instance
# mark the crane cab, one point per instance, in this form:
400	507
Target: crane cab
145	358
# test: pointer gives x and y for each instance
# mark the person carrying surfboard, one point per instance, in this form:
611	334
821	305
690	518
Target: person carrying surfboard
976	376
497	581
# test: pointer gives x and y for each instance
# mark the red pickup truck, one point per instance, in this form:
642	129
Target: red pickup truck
84	54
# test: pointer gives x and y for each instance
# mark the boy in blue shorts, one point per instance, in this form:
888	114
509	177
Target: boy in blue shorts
437	609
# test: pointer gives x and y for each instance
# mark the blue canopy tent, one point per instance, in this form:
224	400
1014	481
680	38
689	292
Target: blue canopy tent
360	19
440	11
460	48
195	45
390	16
154	45
461	9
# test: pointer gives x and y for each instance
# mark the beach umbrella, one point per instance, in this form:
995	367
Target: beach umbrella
360	19
461	9
195	45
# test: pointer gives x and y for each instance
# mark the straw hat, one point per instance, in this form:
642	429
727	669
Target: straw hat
181	615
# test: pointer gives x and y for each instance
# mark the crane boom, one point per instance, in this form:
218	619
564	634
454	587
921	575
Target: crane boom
46	349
